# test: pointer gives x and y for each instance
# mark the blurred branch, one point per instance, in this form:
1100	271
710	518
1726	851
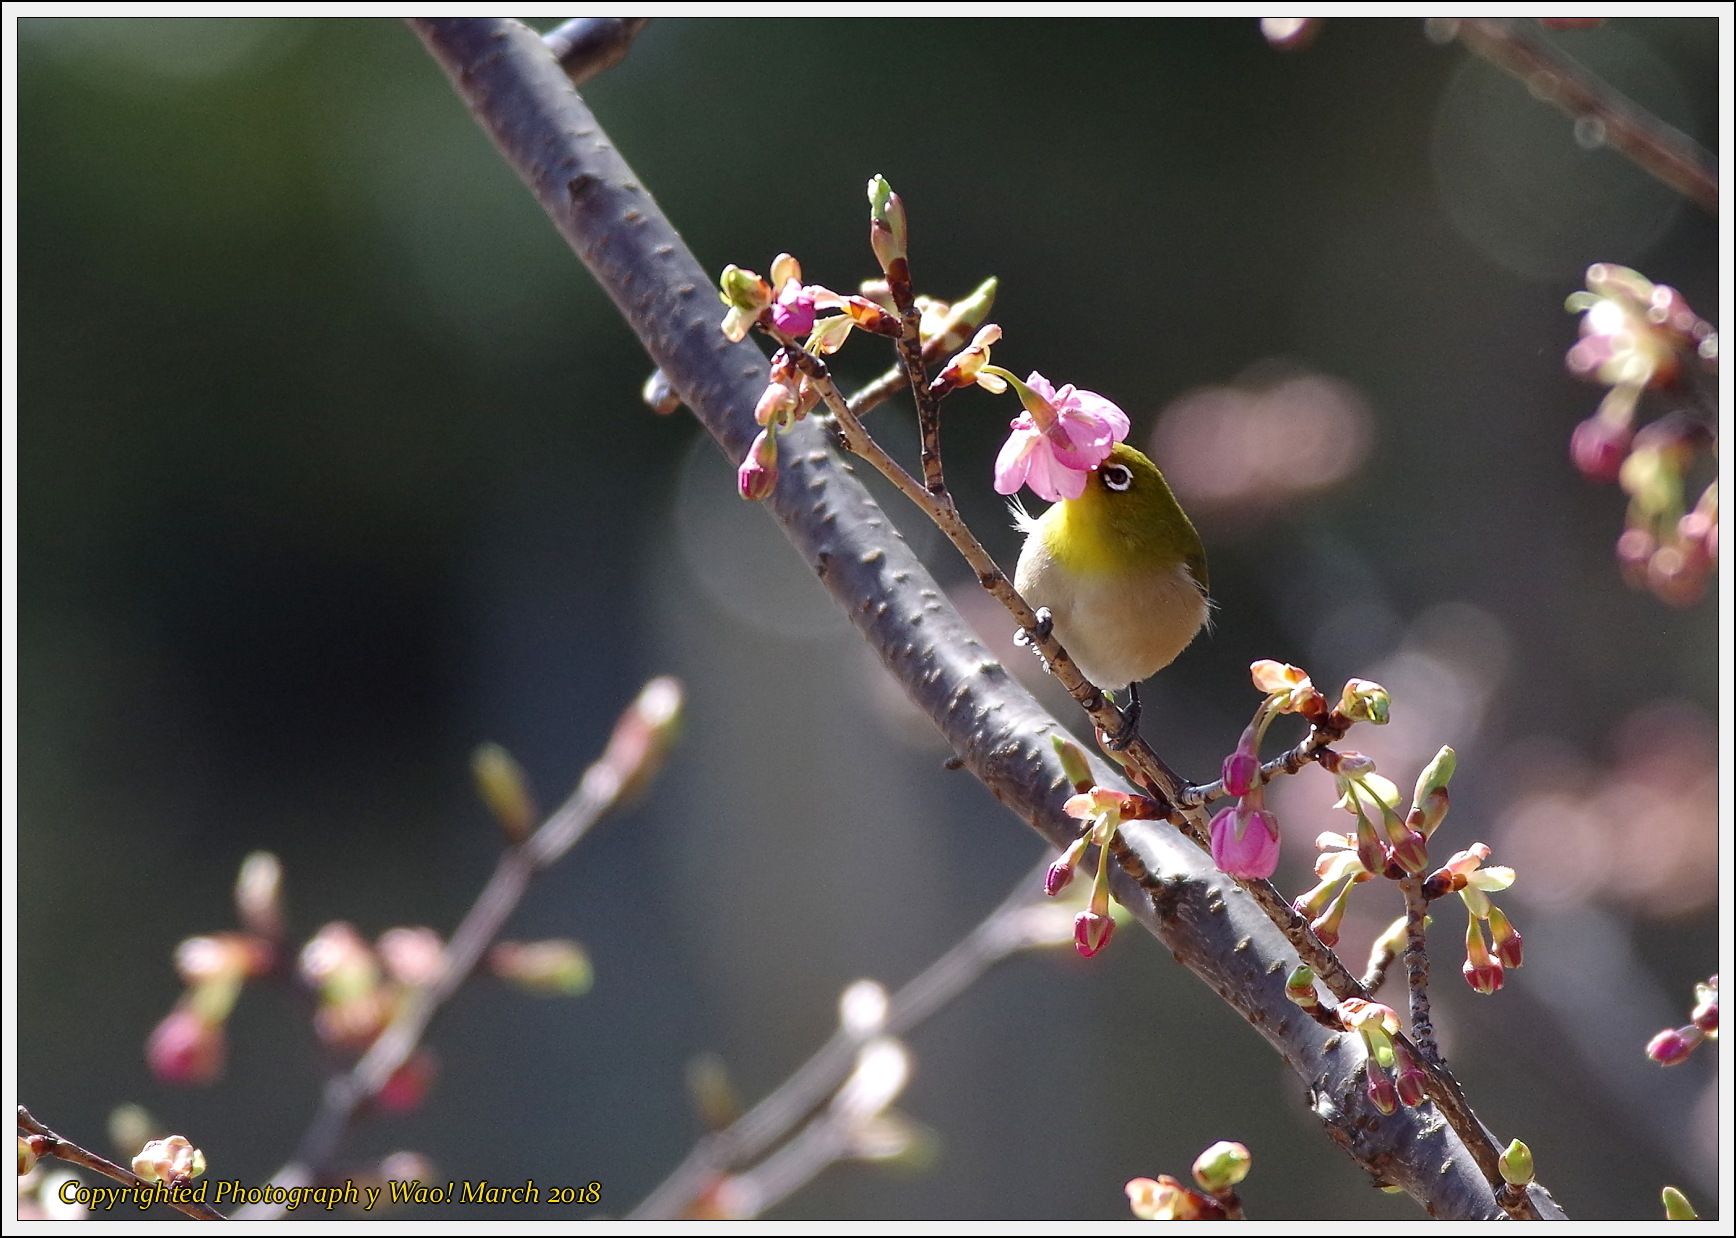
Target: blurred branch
1007	930
585	46
521	98
633	750
45	1142
1549	73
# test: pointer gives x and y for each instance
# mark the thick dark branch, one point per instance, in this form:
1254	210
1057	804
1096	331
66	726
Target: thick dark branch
1551	74
522	100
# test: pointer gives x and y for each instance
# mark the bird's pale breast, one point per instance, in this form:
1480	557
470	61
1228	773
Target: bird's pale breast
1118	628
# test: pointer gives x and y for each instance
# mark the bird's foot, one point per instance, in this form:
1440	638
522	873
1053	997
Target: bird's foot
1044	625
1124	733
1027	638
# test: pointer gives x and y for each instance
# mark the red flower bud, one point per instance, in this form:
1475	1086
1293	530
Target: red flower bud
185	1049
1091	932
1408	1077
1382	1092
409	1084
1599	447
1672	1046
1485	977
1241	773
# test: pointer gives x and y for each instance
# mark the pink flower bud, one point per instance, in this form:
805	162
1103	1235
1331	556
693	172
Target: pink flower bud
758	474
1370	850
1509	945
1326	928
1382	1092
414	957
1165	1199
408	1087
1091	931
1672	1046
1058	878
339	963
223	957
1411	852
776	402
1241	773
793	311
1245	842
1599	448
1371	1018
1486	977
1408	1076
185	1049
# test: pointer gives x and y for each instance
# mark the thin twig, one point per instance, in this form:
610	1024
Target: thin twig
1552	75
585	46
598	791
1416	961
47	1143
1005	931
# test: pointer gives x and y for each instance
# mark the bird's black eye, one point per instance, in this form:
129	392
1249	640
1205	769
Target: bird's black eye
1116	476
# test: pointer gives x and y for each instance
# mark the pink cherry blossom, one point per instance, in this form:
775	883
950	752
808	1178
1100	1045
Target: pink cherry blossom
1058	440
793	311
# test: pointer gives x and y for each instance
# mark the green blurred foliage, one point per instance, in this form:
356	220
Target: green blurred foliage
332	466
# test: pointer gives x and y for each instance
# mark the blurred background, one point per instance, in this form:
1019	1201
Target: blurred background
332	466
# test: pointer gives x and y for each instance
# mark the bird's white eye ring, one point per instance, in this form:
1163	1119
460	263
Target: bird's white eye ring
1117	476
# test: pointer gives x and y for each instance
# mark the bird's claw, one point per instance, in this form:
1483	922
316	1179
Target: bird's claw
1027	638
1128	728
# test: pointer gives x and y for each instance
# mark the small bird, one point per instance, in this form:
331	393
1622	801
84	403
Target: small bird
1120	572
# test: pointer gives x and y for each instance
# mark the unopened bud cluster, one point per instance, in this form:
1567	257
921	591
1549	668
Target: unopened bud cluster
1102	809
786	306
1395	1077
1217	1172
357	987
1673	1045
1245	835
1637	335
1492	944
189	1045
173	1161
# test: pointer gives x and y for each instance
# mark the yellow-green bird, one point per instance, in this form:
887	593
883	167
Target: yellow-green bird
1120	571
